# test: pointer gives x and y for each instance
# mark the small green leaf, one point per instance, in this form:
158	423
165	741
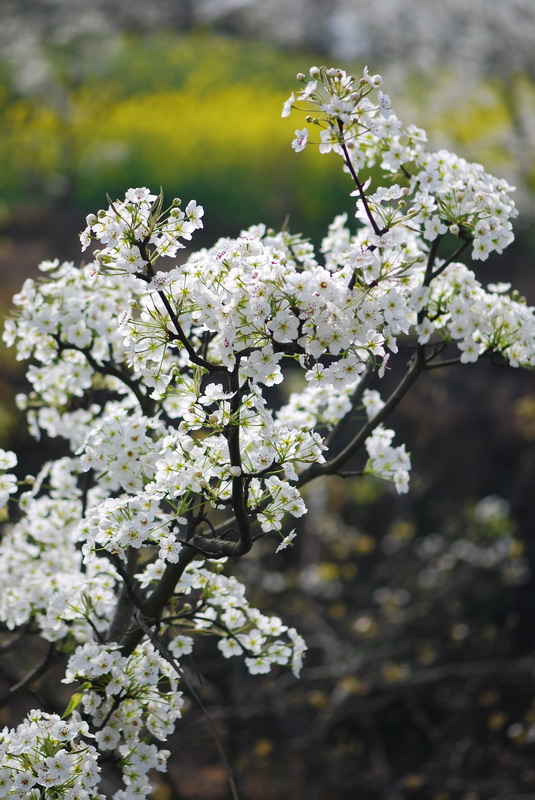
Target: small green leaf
74	702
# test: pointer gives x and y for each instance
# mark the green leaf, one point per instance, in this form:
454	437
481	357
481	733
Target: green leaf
74	702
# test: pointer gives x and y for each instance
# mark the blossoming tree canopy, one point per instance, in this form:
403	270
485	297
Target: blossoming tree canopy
157	378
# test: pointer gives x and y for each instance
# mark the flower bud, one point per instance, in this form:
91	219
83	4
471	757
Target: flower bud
21	401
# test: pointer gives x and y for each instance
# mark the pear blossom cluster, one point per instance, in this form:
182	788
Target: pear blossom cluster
479	321
261	299
125	225
8	481
41	564
443	193
127	700
47	756
385	460
222	610
198	398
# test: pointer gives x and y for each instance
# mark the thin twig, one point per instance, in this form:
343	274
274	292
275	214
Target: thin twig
450	362
378	231
451	258
28	679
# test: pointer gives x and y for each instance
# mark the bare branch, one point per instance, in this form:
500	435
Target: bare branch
129	597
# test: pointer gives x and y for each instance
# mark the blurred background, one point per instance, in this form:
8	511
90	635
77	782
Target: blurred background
418	610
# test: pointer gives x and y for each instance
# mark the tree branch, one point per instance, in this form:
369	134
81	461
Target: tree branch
333	465
347	158
451	258
155	603
239	494
128	598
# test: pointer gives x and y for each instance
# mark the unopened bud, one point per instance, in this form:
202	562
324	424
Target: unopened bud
21	401
300	76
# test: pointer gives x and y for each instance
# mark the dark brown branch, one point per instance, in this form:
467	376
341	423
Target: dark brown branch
239	496
450	362
433	250
147	405
215	546
155	603
113	371
128	598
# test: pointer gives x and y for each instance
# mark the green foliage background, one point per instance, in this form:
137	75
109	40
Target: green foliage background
200	116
